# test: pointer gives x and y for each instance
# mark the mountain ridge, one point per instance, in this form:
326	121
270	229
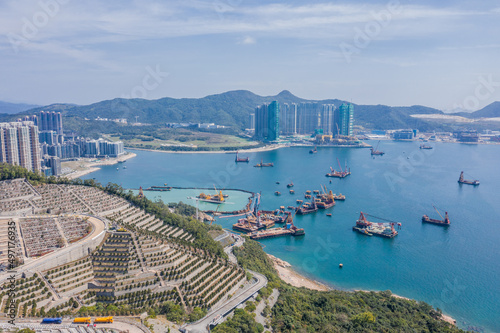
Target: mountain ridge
232	108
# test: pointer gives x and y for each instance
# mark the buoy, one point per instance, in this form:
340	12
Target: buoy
341	265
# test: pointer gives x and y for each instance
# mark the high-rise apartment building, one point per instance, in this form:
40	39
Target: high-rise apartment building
19	145
344	120
267	121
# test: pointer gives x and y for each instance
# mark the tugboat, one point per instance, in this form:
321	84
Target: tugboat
461	180
241	159
444	222
313	151
262	164
376	151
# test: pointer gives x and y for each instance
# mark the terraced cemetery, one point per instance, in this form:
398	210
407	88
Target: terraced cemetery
142	262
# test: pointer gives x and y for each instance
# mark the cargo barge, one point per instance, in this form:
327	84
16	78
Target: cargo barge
444	222
339	174
241	159
461	180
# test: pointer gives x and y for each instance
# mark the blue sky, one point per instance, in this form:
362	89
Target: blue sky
378	52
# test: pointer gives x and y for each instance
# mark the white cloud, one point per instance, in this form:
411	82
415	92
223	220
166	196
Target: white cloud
247	40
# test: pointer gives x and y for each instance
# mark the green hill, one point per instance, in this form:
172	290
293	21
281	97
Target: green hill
232	109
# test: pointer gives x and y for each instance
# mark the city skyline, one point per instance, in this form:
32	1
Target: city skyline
388	52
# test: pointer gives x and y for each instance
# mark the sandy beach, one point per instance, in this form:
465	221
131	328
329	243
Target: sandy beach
288	275
84	166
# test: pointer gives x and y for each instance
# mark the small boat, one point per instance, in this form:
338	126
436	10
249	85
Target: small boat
282	207
340	197
308	192
292	192
341	265
291	207
423	146
165	184
313	151
307	196
125	167
117	168
262	164
277	183
299	201
316	191
289	185
329	214
277	193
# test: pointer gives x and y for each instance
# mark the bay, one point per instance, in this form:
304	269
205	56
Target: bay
454	268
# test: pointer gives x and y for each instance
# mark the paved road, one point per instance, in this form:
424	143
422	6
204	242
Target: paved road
260	281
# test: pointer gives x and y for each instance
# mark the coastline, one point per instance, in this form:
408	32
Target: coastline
279	146
86	166
251	150
290	276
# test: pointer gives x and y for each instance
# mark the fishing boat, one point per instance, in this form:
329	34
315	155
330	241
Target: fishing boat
262	164
444	221
376	151
461	180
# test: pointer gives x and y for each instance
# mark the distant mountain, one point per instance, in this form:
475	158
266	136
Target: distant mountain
489	111
232	108
12	108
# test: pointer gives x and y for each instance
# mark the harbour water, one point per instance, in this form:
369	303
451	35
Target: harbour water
455	269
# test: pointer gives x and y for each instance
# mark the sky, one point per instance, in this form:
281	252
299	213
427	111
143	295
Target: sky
441	54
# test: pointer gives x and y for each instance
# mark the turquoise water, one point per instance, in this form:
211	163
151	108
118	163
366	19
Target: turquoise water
236	200
455	269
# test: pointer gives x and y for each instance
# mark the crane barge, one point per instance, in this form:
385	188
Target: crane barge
444	222
365	227
376	151
461	180
339	174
